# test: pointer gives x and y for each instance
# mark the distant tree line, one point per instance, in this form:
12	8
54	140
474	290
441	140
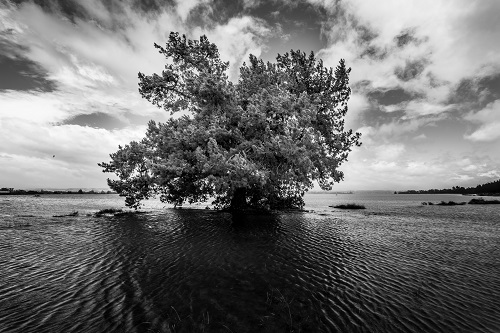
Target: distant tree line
487	189
5	190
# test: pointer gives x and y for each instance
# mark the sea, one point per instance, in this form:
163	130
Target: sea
396	266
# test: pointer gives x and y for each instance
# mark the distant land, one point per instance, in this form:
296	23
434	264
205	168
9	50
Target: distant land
490	189
13	191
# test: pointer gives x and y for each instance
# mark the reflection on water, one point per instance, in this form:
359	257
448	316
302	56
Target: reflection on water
396	269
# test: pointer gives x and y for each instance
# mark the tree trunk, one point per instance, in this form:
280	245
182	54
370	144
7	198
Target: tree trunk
239	200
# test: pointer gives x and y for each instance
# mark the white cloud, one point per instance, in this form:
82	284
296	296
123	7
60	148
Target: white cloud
420	137
73	143
389	152
85	51
470	168
358	104
489	120
487	132
397	128
417	108
384	166
462	178
31	147
184	7
446	48
490	174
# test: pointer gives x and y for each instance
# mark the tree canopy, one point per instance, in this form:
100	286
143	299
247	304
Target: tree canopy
260	142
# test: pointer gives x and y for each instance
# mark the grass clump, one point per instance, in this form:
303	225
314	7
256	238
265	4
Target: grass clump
349	206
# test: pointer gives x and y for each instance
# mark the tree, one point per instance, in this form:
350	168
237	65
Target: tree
260	142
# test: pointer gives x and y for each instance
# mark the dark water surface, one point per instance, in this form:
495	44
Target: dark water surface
395	267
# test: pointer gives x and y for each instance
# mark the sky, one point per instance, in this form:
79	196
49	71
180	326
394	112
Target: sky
425	81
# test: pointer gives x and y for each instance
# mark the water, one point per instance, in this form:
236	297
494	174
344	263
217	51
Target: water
397	266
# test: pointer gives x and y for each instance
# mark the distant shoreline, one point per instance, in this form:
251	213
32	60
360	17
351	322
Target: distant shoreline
43	192
464	194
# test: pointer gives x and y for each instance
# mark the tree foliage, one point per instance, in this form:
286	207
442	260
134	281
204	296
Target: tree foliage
260	142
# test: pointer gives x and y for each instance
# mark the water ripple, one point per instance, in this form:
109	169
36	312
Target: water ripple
195	270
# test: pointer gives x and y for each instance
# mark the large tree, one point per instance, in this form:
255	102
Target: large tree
260	142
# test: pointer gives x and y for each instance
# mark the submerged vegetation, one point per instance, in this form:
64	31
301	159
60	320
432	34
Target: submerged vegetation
259	143
349	206
108	211
451	203
75	213
481	201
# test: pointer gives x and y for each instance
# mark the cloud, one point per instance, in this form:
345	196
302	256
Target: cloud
394	130
476	92
184	7
420	137
357	105
489	123
426	49
411	70
462	178
384	166
96	120
83	53
77	149
490	174
487	132
73	143
418	108
407	36
389	96
389	152
20	73
366	170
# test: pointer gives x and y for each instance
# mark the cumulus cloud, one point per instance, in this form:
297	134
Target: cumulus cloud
395	130
489	123
389	152
77	151
426	47
490	174
367	171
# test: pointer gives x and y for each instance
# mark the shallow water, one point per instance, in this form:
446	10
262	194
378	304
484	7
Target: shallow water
397	266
